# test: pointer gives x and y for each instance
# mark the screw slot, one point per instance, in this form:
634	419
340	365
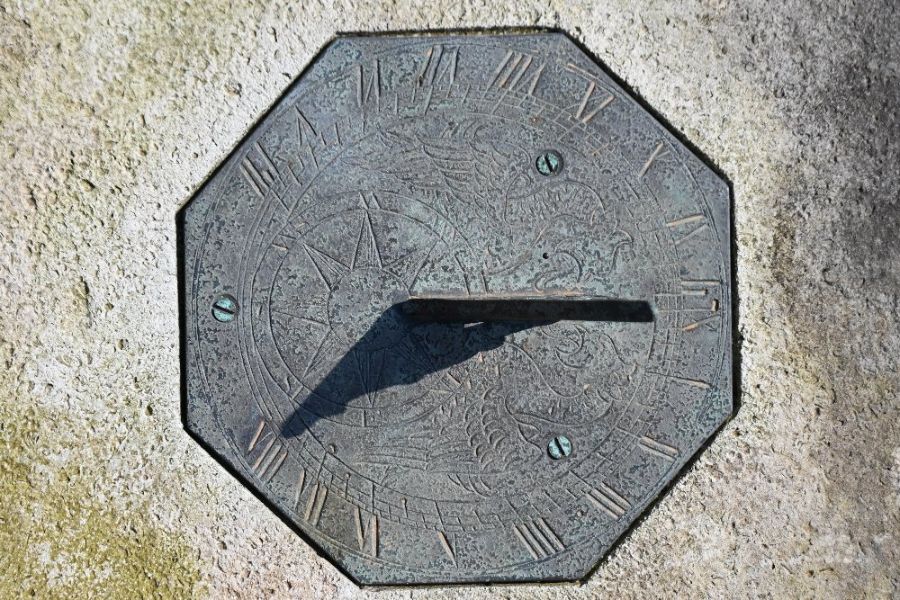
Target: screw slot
548	163
224	309
559	447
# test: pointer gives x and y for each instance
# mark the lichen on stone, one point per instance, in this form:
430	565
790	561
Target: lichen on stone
59	539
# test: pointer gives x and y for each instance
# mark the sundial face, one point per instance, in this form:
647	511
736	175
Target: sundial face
516	440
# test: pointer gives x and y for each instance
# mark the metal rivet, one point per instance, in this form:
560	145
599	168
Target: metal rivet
549	162
224	308
559	447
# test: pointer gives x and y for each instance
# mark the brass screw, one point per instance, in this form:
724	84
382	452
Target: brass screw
559	447
224	308
548	163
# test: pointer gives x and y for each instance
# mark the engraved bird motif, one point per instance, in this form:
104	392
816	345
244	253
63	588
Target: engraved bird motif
497	425
472	169
478	171
476	436
576	249
478	175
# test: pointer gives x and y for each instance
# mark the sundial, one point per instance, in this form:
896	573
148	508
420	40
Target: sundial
458	308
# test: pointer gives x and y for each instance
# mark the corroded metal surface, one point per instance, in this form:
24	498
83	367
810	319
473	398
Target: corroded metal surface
437	450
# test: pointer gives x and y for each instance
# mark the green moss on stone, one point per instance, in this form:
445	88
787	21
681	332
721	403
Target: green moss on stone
59	539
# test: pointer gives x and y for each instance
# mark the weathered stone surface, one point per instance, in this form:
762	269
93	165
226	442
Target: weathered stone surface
111	117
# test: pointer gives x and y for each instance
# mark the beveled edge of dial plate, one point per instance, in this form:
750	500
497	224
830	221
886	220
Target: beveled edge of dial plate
196	414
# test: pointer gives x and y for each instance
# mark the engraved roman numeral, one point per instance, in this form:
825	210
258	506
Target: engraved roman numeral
697	223
658	152
592	101
440	67
608	501
696	324
271	454
587	109
306	133
366	88
697	383
260	173
696	290
538	538
301	482
657	448
685	220
700	282
314	504
445	544
366	537
517	71
696	299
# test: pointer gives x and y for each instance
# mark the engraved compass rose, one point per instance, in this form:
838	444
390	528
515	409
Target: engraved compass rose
458	308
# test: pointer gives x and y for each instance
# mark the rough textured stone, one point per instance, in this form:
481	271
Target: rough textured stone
110	116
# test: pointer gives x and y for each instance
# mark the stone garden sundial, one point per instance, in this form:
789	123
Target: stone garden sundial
457	309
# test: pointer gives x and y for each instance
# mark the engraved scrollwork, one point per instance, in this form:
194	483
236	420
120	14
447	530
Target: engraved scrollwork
412	169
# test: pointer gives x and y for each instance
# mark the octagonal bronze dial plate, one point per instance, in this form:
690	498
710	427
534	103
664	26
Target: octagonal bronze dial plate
458	308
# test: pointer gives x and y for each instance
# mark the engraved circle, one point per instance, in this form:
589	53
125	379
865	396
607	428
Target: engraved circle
582	239
408	167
